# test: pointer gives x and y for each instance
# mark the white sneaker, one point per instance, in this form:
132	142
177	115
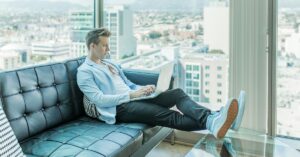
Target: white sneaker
218	123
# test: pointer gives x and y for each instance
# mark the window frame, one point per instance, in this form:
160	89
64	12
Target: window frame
98	12
272	73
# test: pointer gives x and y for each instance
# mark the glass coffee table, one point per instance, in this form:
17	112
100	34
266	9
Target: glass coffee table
244	143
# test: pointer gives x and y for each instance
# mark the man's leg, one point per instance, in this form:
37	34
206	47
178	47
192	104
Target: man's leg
184	103
216	122
153	114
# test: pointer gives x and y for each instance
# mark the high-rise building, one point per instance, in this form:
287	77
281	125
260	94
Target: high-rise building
119	20
206	78
216	26
82	21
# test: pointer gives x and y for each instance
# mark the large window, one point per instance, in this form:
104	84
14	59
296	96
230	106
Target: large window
34	32
288	68
194	34
146	34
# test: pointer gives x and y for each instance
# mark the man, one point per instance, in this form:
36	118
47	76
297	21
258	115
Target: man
108	95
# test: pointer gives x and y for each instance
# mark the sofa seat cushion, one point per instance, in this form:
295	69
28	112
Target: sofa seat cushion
84	137
148	131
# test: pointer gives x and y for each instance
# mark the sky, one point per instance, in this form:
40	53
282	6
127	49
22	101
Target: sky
283	3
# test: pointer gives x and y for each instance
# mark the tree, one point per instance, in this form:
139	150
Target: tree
216	52
126	56
188	27
154	35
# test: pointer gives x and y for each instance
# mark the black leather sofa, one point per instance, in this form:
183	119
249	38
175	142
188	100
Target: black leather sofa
44	107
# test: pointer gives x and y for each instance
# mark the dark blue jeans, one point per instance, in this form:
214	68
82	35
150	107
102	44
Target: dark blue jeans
157	111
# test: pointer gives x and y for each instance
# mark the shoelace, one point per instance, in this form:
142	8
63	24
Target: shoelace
213	115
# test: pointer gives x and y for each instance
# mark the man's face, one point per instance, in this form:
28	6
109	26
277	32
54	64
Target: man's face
101	49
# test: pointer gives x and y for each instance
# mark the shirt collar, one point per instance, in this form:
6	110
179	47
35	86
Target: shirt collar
92	63
89	61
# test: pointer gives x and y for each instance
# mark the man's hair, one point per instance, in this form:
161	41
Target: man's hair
94	35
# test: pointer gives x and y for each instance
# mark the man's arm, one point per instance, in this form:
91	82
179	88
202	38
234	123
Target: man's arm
87	85
130	84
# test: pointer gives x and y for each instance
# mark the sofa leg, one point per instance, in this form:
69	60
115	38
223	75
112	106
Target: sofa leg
172	137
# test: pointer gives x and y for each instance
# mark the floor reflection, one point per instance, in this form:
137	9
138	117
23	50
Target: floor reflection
247	145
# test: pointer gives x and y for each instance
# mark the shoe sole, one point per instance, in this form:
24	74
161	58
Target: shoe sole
231	115
241	106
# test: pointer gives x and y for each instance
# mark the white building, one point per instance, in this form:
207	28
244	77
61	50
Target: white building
52	51
119	20
195	26
9	60
206	78
292	44
2	41
22	49
78	49
285	31
216	26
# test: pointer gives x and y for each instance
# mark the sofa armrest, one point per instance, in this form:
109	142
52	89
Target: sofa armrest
143	77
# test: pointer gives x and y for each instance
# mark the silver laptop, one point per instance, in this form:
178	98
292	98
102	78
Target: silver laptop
163	82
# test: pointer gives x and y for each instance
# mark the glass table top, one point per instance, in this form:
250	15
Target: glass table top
244	143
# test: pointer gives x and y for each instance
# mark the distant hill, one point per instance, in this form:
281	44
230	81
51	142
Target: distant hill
289	3
162	5
136	5
169	5
39	5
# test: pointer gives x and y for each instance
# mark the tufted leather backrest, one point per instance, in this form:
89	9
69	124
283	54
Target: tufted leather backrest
72	66
37	98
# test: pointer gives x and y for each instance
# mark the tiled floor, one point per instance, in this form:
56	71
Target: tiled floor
165	149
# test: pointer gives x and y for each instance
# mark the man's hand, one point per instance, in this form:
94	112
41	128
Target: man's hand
144	90
137	93
149	89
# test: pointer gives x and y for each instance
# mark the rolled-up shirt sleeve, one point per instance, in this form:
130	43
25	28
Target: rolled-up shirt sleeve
88	86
